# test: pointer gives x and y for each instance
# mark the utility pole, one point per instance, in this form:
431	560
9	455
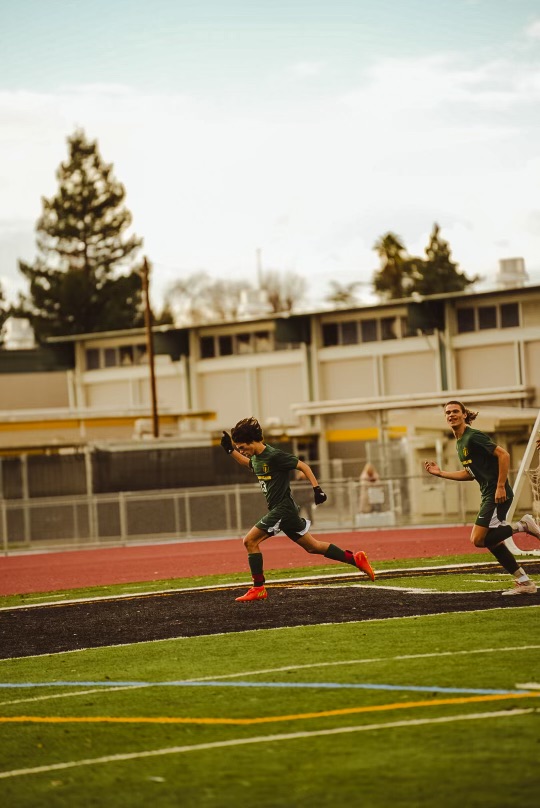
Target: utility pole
148	319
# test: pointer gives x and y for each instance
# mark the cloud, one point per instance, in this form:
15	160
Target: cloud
532	31
312	181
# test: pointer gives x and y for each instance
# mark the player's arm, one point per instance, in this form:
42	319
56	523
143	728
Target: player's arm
461	476
228	446
318	494
504	464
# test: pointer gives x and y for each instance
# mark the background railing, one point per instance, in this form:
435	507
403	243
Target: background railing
182	514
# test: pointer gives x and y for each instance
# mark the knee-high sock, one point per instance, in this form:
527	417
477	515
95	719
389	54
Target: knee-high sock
255	561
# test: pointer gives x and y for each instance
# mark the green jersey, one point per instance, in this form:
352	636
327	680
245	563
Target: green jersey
272	468
475	451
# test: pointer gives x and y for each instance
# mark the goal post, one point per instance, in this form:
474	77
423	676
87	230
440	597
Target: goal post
523	478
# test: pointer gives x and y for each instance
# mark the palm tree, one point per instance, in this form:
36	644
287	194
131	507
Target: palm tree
394	279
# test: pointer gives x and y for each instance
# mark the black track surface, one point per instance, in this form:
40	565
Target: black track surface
93	624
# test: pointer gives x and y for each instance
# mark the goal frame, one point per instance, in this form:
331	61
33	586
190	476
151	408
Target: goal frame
520	482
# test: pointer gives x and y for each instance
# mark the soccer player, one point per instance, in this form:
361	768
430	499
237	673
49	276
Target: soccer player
488	464
272	467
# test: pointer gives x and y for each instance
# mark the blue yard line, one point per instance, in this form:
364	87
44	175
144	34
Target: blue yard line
314	685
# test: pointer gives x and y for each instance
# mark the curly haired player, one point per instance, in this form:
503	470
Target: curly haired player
272	467
488	464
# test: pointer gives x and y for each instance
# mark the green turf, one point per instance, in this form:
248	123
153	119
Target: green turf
482	762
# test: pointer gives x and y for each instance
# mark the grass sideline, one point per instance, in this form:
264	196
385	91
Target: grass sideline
388	747
8	601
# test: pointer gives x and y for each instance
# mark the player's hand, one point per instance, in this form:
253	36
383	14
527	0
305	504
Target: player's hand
318	495
226	442
432	467
500	494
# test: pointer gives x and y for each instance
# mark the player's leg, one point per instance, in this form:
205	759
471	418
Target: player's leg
312	545
490	531
252	542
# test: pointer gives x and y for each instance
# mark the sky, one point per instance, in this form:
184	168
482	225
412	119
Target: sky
303	130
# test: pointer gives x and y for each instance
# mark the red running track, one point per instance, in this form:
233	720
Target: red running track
48	572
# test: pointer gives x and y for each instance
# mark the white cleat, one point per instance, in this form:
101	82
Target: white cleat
526	588
530	525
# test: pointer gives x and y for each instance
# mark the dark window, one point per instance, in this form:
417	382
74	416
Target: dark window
369	330
263	341
207	347
92	359
349	333
243	344
140	354
487	317
330	334
126	355
465	320
509	315
388	328
225	346
406	329
110	358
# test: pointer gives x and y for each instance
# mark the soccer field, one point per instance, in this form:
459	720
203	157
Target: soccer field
438	708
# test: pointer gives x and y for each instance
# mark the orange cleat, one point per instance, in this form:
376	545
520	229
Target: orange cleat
255	593
363	564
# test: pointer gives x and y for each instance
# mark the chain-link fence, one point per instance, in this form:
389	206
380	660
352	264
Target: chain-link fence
124	518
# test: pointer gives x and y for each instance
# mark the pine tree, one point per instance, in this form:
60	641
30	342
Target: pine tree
438	273
83	279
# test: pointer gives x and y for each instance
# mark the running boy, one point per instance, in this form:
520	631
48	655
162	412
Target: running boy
488	464
272	466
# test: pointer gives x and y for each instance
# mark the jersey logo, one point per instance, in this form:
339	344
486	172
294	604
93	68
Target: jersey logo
465	452
265	468
264	476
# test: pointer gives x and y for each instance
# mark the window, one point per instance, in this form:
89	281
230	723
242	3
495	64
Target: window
126	355
263	341
111	359
388	328
330	334
505	315
225	345
465	320
487	317
509	315
92	359
349	333
207	347
243	344
369	330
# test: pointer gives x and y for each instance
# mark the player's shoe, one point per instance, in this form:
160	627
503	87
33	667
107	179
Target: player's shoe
255	593
363	564
530	525
526	588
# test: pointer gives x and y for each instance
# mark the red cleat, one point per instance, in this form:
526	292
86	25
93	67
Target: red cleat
363	564
255	593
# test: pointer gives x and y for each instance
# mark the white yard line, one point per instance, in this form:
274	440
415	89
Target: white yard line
280	738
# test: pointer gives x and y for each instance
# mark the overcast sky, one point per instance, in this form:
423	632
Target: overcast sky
303	129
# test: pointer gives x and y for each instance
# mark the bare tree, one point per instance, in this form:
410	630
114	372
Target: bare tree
284	291
199	298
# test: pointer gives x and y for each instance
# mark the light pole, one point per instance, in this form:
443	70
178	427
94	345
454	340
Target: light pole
148	319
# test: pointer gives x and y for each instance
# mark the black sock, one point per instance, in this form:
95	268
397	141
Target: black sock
337	554
255	561
496	535
504	557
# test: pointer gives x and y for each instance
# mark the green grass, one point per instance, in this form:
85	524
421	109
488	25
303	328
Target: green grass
488	762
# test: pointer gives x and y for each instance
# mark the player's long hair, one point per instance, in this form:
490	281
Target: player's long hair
248	430
469	414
